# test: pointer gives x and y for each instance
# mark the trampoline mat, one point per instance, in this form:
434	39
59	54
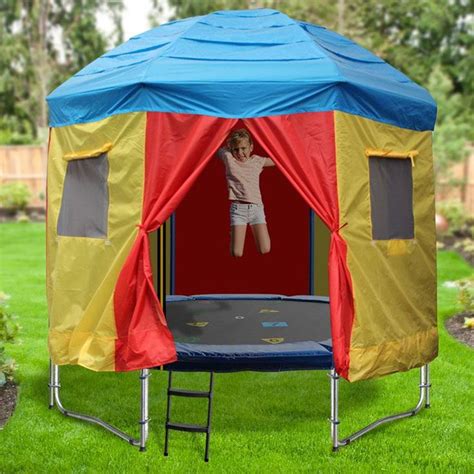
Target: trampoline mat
236	333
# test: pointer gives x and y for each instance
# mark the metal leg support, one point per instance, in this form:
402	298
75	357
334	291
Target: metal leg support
427	383
51	385
209	415
168	412
424	397
144	419
55	386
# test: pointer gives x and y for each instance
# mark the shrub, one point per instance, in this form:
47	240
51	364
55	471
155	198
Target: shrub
8	334
455	213
14	196
466	294
22	217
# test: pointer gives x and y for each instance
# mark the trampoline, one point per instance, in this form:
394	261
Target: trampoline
135	215
228	333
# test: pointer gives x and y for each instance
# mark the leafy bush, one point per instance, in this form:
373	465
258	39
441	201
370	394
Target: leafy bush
14	196
22	217
8	334
455	213
468	323
466	294
14	138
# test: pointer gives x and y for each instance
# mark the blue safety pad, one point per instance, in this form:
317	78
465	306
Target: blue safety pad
172	298
321	299
280	357
241	64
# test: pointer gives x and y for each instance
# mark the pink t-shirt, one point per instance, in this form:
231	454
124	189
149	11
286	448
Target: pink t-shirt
243	177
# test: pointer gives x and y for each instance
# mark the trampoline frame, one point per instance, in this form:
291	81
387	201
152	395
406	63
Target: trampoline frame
54	399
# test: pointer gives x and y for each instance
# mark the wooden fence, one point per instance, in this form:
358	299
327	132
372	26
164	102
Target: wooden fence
27	164
464	173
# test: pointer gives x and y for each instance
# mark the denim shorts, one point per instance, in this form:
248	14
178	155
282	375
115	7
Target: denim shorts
242	214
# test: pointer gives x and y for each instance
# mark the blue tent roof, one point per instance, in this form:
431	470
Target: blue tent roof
245	63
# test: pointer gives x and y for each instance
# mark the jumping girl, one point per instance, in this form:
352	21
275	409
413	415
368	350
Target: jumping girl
246	207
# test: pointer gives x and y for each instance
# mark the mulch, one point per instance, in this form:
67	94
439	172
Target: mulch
454	327
8	395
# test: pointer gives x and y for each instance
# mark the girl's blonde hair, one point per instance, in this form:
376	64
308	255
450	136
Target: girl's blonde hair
238	135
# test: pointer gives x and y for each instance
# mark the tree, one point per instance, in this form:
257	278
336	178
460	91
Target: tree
43	43
417	37
318	11
451	135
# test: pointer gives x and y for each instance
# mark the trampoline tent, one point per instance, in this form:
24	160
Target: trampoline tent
132	132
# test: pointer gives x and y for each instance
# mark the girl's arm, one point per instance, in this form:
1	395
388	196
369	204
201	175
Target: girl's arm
222	153
268	162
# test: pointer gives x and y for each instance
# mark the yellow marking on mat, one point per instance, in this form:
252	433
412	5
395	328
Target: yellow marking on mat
269	311
274	340
199	324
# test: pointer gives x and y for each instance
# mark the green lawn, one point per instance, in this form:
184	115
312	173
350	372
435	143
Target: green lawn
263	422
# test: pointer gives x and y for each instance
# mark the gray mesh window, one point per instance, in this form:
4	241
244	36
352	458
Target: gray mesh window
391	198
85	199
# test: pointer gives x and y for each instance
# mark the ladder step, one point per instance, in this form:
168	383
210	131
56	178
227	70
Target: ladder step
186	427
188	393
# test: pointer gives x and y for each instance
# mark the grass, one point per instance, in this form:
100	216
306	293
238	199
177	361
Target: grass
262	422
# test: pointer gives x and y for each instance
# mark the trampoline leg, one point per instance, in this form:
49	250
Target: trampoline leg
144	420
51	384
168	412
334	408
55	387
427	384
424	387
209	415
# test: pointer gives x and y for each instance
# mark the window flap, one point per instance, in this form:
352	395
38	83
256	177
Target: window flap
79	155
373	153
397	247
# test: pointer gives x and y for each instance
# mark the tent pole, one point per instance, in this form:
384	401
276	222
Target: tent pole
424	387
55	386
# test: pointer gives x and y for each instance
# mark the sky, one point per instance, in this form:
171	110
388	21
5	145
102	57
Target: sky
134	21
135	17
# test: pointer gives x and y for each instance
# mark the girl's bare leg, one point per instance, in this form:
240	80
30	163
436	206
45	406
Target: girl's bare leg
262	238
237	240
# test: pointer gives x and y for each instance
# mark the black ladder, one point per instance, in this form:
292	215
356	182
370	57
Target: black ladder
177	392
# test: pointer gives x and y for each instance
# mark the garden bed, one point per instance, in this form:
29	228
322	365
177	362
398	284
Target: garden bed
30	214
454	326
8	395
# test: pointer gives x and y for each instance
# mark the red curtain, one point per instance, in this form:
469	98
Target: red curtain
178	147
303	147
